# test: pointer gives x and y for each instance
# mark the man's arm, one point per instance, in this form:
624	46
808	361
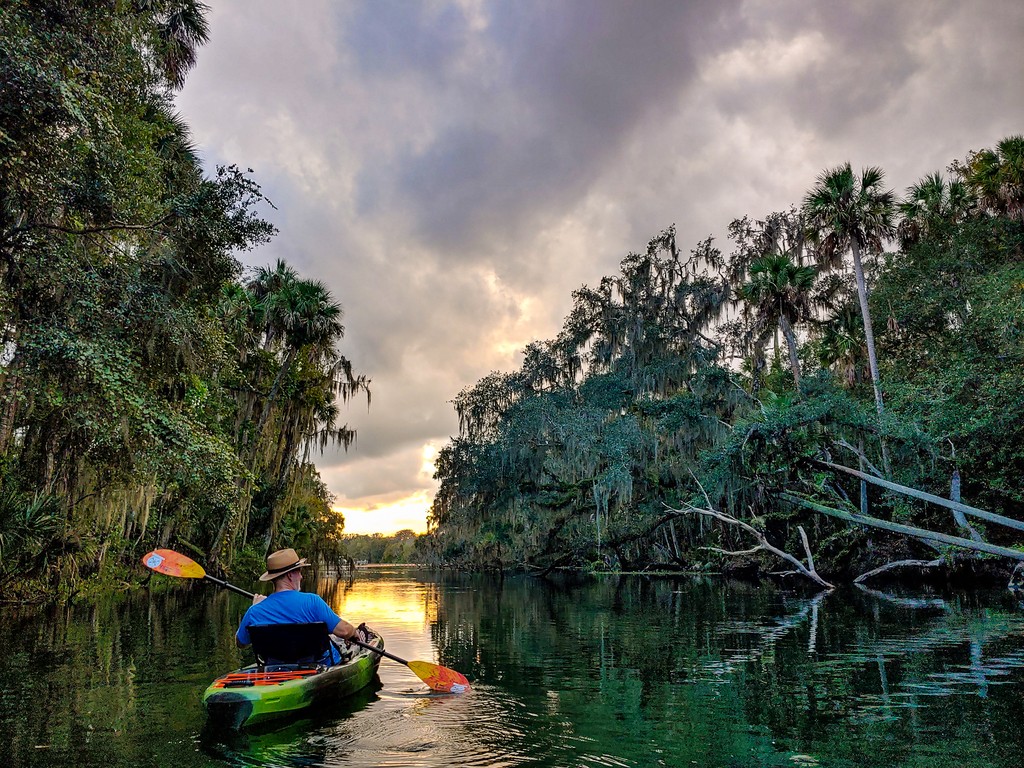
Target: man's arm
344	630
238	640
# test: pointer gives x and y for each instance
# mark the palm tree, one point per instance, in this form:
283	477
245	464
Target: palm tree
931	202
258	303
266	285
847	212
778	294
841	345
310	325
181	27
997	177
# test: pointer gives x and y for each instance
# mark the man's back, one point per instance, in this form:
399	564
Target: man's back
287	607
288	604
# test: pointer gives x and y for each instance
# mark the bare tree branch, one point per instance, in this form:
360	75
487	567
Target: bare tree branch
899	564
763	543
807	548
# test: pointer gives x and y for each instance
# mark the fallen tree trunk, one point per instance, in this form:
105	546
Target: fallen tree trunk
899	564
907	530
956	506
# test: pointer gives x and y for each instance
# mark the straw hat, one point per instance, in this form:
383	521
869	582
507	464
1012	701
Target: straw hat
281	562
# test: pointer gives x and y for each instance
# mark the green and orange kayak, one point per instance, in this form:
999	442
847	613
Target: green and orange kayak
254	694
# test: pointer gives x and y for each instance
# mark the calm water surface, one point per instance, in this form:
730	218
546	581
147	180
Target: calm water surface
614	671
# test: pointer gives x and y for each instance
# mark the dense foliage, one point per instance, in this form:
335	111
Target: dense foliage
150	393
376	548
727	383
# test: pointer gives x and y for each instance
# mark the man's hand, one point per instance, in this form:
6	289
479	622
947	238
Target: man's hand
258	599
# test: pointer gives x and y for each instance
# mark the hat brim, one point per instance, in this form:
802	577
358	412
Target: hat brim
271	576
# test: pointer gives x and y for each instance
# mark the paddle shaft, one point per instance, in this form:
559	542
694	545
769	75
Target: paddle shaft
230	587
360	643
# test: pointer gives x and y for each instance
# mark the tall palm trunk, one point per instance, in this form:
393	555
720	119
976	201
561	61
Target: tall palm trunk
869	340
869	334
794	359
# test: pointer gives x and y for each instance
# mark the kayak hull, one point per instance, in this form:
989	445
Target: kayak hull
250	696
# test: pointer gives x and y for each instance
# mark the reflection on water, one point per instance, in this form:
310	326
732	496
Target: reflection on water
288	742
608	672
402	601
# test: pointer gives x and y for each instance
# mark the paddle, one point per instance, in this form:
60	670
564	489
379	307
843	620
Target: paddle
171	563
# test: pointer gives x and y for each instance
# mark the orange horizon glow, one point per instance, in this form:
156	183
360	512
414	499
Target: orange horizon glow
388	517
390	513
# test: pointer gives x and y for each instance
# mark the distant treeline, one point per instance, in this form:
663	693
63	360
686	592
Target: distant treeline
693	409
151	394
377	548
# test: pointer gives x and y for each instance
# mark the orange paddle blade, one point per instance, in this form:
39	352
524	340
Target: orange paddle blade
172	563
439	678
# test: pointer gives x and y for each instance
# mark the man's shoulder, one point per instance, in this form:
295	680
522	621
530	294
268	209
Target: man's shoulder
314	599
294	597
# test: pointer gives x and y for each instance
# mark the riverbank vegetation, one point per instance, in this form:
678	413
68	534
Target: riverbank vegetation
837	393
151	392
702	411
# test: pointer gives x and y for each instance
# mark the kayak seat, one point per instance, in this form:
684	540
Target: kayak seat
290	643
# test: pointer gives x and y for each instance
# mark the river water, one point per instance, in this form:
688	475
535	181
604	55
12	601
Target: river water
609	671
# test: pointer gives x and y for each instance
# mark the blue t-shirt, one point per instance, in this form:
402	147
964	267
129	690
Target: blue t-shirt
288	607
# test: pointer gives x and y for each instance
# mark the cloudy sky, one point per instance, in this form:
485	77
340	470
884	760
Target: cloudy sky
453	170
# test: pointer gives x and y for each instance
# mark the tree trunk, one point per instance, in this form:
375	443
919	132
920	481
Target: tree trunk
869	334
906	490
863	482
269	404
9	403
794	360
958	514
869	339
918	533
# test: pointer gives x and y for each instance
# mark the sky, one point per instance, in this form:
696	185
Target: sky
453	170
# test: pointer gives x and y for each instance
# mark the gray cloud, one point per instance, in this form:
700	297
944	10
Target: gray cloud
392	37
454	169
546	93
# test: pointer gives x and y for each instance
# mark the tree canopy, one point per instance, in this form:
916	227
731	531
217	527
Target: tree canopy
658	399
150	391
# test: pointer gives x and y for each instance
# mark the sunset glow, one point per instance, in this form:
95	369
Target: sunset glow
387	517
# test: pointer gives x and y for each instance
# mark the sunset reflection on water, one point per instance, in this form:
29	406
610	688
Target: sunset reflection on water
393	601
400	599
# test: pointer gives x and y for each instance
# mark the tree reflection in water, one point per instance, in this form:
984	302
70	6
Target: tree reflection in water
609	671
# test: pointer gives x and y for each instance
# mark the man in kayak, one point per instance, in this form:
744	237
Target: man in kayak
288	605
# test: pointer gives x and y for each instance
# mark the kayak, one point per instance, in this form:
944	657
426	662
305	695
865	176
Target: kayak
256	694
